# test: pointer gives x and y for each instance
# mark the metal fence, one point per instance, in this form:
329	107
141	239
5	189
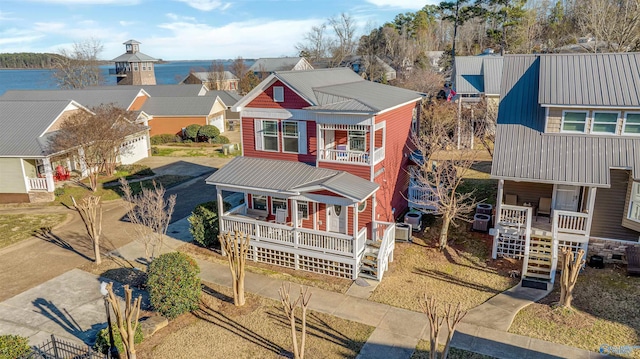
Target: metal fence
60	349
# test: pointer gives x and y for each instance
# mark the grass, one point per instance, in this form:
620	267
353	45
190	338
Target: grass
464	273
423	350
17	227
190	151
257	330
606	312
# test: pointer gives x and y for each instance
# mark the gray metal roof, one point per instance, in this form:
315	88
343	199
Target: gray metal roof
179	106
204	75
122	97
229	98
290	177
134	57
177	90
590	79
23	122
275	64
477	74
524	152
492	74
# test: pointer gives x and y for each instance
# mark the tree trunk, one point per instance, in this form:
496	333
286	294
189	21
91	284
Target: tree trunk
444	232
294	338
569	277
96	251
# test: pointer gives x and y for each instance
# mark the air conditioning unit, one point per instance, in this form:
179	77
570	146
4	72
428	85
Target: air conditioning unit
403	232
414	219
481	222
484	208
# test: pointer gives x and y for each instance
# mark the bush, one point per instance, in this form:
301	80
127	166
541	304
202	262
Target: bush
220	139
154	151
204	223
191	132
208	132
13	346
102	339
164	138
173	284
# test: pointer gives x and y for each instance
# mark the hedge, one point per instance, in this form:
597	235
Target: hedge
174	284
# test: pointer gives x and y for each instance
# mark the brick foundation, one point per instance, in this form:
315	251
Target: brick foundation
608	248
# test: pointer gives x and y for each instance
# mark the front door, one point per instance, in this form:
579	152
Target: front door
567	197
336	218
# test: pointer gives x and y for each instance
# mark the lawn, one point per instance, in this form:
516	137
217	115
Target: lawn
189	151
463	273
423	348
606	313
17	227
257	330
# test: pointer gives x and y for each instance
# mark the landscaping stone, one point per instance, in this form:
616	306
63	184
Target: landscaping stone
152	324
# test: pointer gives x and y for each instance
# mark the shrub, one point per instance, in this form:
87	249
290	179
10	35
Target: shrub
220	139
173	284
204	223
191	132
154	151
13	346
208	132
102	339
164	138
59	191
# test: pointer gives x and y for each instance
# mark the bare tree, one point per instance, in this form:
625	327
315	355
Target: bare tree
344	29
216	76
289	308
79	67
150	213
126	321
614	22
236	248
316	43
98	137
485	129
90	211
452	316
569	277
443	168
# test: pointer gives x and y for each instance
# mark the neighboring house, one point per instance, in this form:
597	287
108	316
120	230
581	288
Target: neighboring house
323	171
434	59
265	66
359	66
567	157
225	81
172	114
128	98
229	99
27	165
133	67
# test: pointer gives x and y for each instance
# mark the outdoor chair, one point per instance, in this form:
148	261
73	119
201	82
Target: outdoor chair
281	216
633	260
511	199
544	207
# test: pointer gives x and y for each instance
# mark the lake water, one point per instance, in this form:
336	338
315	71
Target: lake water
166	73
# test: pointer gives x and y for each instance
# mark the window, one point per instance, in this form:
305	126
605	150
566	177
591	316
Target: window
259	202
303	207
290	136
278	203
270	135
634	202
604	122
135	66
278	93
357	140
631	124
574	121
362	206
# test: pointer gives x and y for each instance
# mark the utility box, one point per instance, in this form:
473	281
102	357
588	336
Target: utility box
481	222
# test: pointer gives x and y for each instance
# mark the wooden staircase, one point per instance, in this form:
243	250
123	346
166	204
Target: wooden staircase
369	263
539	263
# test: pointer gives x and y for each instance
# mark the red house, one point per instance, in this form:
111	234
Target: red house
323	171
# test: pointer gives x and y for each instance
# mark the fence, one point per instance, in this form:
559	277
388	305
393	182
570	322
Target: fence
60	349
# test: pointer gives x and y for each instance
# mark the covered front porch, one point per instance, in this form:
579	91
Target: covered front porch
357	144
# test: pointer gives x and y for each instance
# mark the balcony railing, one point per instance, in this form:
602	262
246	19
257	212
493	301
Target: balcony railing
360	157
423	198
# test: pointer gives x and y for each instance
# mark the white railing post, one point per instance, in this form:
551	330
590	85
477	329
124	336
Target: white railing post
554	245
48	174
527	243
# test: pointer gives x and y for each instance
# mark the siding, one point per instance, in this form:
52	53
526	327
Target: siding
609	209
529	192
291	99
65	115
365	217
249	144
137	103
173	125
322	217
362	171
12	179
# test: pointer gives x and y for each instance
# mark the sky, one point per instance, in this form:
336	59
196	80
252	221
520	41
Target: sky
182	29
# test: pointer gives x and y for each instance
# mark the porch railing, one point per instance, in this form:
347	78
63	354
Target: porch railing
512	232
423	198
387	246
344	156
378	154
570	222
37	184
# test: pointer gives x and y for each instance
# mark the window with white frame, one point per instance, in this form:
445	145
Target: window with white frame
604	122
290	136
634	202
303	207
259	202
277	203
278	94
357	140
270	135
631	124
573	121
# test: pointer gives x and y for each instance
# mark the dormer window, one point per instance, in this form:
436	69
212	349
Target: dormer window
278	94
574	121
631	124
604	122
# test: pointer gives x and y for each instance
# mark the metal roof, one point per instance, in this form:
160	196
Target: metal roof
23	122
134	57
177	90
523	152
122	97
229	98
179	106
275	64
204	75
290	177
590	79
477	74
492	74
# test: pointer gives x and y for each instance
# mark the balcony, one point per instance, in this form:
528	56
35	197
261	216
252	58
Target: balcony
353	144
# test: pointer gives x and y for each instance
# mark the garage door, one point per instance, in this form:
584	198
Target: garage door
133	150
218	121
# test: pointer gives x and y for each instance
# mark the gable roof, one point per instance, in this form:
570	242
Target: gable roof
179	106
204	76
477	74
229	98
177	90
607	80
272	64
289	177
524	152
336	89
122	97
24	123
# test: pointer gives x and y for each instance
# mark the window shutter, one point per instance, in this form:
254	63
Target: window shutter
257	127
302	137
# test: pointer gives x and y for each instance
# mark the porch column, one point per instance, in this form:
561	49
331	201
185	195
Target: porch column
320	143
498	208
372	140
296	233
48	174
220	203
590	207
355	230
294	213
83	163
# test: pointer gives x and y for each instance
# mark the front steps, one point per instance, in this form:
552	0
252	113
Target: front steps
540	260
369	263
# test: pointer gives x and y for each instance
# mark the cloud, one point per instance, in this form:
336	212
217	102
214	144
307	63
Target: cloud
17	37
206	5
127	23
400	4
175	17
